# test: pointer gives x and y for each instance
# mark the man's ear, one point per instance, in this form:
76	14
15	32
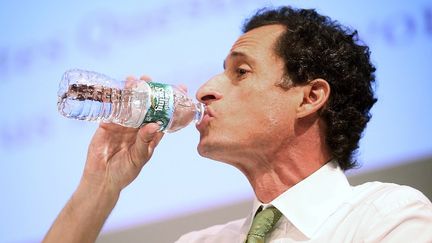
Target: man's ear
315	96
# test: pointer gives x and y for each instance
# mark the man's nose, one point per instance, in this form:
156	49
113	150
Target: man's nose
210	91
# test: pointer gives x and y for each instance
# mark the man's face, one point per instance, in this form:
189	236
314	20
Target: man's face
249	115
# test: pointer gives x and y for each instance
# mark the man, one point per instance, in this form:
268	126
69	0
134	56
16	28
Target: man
288	111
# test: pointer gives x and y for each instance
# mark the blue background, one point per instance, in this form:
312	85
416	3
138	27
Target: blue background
181	42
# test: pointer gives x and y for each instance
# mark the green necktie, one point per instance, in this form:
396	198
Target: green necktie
263	223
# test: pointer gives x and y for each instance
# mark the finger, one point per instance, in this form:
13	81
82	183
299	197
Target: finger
131	83
147	133
157	138
183	87
109	126
145	78
130	78
154	143
144	144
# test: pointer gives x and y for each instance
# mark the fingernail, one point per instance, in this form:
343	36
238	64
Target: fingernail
160	124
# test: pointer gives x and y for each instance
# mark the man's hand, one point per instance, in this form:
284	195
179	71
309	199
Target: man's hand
117	154
115	157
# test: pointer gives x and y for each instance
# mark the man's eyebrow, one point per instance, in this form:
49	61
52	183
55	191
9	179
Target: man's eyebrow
236	54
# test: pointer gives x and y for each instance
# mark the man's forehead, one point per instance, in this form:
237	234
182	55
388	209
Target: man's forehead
261	37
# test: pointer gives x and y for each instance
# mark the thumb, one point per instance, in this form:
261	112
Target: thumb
147	133
145	142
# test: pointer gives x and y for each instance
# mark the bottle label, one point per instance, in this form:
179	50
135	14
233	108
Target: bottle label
162	104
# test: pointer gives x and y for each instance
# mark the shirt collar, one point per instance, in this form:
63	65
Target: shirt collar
311	201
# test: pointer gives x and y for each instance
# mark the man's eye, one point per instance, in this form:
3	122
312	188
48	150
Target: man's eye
241	72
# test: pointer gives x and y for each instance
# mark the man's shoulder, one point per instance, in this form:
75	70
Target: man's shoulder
228	229
388	197
387	212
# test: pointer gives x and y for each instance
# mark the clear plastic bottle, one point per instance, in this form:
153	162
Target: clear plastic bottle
91	96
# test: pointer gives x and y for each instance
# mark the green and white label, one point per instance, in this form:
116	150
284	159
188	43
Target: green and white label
162	104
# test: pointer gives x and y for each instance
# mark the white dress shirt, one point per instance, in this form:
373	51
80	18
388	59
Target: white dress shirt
325	208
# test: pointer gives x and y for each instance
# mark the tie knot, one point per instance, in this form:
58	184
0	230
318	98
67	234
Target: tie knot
262	223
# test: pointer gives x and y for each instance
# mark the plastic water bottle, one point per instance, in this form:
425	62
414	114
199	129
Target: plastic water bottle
91	96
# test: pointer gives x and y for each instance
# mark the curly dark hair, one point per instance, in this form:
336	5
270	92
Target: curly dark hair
314	46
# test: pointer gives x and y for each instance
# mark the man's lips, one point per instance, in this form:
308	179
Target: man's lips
209	111
208	116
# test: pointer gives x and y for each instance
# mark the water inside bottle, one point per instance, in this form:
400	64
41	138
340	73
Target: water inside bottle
87	102
99	103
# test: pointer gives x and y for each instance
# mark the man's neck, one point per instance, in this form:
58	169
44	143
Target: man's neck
272	175
268	185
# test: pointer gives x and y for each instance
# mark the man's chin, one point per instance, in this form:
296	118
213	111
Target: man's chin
202	150
207	150
213	152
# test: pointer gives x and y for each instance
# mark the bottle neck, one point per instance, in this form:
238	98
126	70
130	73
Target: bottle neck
199	114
